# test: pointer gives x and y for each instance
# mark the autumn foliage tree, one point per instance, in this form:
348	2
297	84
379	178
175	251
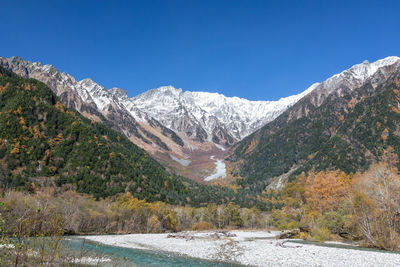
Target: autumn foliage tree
332	204
326	191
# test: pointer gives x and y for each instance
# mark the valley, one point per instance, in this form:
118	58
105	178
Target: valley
315	166
199	133
168	123
182	130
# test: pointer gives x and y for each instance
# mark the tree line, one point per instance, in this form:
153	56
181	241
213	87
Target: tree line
31	214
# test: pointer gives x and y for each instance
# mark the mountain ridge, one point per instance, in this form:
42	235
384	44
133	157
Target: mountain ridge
316	133
249	115
187	131
45	144
197	132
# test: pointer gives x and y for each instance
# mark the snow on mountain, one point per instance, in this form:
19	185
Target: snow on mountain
361	72
201	116
239	117
95	102
353	77
99	94
183	126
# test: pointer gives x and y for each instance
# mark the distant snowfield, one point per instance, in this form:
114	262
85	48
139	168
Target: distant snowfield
220	147
183	162
250	248
220	170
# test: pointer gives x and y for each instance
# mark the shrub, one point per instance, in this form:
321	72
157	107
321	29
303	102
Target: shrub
201	226
303	235
321	234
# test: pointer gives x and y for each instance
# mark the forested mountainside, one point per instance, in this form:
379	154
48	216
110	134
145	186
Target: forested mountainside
337	126
43	143
96	103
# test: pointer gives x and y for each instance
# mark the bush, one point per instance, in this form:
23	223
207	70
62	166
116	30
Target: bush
321	234
303	236
201	226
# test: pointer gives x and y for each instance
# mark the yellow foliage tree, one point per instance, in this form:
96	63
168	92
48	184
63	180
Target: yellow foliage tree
36	132
16	148
60	106
59	138
325	191
22	121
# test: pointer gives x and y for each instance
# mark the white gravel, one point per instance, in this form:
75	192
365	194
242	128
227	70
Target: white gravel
220	170
183	162
251	248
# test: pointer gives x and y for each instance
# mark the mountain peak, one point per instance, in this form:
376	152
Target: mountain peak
356	75
118	92
367	69
160	92
89	84
87	81
169	88
16	59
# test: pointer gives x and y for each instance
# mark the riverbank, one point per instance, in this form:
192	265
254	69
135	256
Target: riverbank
249	248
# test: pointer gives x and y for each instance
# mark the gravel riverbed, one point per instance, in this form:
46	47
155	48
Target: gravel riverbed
254	248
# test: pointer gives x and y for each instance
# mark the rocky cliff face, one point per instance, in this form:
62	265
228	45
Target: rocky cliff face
214	116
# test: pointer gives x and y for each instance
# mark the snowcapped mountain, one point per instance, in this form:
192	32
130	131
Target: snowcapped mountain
176	126
358	74
199	116
97	103
217	116
338	125
354	77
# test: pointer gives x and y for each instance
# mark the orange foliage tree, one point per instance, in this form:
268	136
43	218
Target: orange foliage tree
326	191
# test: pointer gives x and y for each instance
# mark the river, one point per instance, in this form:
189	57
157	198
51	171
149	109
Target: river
255	248
136	257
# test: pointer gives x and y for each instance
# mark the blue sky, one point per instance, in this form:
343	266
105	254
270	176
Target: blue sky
260	50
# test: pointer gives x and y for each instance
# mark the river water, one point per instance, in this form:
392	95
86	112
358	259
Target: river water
136	257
